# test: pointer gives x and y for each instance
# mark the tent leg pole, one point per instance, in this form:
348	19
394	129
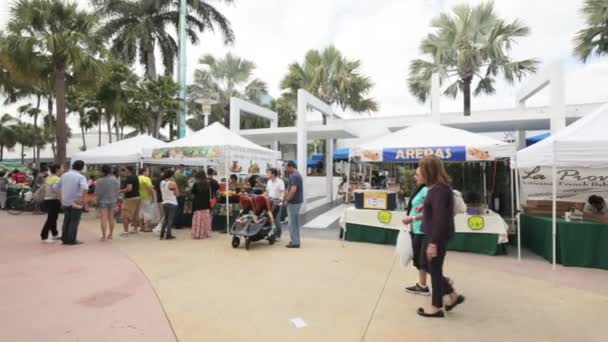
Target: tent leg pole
485	185
554	215
347	200
227	197
518	215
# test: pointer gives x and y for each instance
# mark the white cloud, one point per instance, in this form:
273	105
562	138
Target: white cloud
384	35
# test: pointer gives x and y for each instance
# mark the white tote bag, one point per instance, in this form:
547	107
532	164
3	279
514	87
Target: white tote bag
404	247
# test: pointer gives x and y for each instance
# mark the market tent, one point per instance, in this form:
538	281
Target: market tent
121	152
450	144
537	138
315	160
341	154
582	144
211	143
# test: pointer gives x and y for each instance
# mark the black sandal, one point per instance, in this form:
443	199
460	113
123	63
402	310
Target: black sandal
438	314
459	300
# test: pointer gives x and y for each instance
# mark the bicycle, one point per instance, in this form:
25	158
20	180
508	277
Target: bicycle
22	201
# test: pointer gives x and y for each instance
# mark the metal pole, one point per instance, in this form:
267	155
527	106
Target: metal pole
485	185
554	219
518	215
227	160
183	112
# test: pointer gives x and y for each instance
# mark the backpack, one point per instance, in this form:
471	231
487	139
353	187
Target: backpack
460	207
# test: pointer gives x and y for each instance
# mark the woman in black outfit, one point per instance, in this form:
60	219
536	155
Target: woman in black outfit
438	227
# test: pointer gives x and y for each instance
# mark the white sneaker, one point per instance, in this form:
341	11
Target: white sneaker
49	240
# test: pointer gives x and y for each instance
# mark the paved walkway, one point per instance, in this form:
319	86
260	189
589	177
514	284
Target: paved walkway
212	292
88	293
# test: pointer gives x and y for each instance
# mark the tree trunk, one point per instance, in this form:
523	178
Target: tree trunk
466	91
109	126
117	128
99	126
1	152
84	140
122	131
61	127
151	64
171	135
37	139
22	155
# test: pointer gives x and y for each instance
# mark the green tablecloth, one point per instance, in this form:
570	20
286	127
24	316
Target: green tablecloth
579	243
465	242
219	216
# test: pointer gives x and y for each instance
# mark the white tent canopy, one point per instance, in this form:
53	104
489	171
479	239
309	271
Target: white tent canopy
582	144
211	143
461	145
121	152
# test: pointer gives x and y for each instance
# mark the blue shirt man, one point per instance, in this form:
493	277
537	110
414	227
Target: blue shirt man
294	200
73	187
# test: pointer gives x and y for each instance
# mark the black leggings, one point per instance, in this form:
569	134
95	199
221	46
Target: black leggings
441	285
52	207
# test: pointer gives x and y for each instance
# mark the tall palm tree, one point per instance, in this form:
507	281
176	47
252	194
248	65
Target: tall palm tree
468	43
8	136
66	34
593	39
224	78
33	112
25	137
332	78
138	28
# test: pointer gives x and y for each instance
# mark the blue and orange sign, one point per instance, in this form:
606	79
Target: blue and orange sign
414	154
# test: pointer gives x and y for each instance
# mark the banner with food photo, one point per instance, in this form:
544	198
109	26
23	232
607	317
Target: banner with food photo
188	152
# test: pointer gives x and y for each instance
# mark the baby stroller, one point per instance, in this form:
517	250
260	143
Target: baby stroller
254	223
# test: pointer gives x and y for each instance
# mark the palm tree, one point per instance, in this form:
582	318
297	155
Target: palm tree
66	35
138	28
25	137
8	136
161	96
33	112
224	78
79	102
332	78
593	39
470	42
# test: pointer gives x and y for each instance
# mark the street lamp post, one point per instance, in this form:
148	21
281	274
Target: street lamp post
206	103
183	112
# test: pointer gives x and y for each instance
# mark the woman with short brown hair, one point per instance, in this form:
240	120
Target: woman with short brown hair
438	227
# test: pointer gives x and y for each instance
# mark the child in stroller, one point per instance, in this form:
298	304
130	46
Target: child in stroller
254	223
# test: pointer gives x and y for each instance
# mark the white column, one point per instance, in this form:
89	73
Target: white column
520	139
275	144
557	98
302	141
234	116
435	96
329	169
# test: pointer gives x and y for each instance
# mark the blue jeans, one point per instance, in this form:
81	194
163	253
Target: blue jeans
293	211
170	210
71	220
277	221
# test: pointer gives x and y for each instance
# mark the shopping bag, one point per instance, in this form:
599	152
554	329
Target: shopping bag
404	247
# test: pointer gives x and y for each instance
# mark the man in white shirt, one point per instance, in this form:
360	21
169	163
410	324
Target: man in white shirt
275	190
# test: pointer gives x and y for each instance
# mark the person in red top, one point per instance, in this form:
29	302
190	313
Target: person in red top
18	177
